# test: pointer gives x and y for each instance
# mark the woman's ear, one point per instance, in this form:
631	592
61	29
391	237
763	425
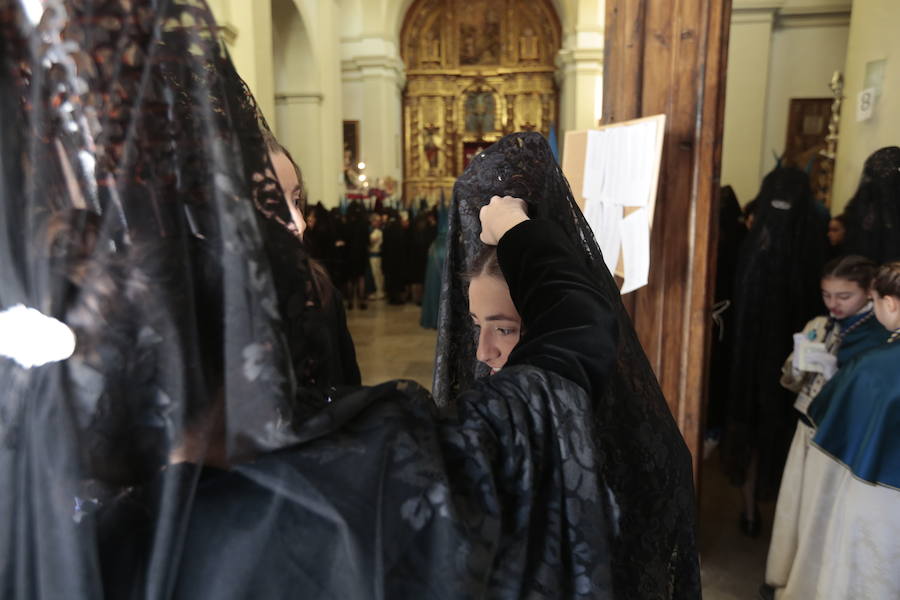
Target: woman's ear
892	303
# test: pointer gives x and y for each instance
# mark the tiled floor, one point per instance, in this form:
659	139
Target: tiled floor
390	344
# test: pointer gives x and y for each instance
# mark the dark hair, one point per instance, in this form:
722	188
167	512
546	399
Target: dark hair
485	263
887	279
275	147
857	269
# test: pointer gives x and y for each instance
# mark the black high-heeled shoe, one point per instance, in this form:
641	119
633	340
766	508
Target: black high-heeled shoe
751	527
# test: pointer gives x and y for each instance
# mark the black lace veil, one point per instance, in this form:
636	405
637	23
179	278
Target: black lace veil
776	292
873	214
139	208
644	454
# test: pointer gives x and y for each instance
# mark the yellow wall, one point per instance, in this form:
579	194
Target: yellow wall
778	50
745	102
804	60
874	34
251	48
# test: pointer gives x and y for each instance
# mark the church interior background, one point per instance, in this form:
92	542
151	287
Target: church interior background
399	95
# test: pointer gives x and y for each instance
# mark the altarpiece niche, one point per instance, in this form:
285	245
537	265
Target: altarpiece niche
476	70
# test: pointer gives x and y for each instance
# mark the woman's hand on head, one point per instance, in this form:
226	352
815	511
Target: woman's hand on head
499	216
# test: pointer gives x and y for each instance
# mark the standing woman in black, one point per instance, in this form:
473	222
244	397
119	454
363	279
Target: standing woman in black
644	468
776	293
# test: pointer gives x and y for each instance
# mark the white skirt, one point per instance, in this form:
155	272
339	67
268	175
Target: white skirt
835	537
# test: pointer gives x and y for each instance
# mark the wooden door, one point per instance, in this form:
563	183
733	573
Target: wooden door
670	57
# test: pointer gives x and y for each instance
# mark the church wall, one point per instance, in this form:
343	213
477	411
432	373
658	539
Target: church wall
803	62
298	94
248	35
745	101
372	79
778	50
874	35
580	65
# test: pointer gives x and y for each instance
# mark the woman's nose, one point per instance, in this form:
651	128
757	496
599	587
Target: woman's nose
301	225
486	349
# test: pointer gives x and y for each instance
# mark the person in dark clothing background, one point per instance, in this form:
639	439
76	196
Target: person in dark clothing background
422	232
776	292
356	254
732	231
872	217
837	233
395	259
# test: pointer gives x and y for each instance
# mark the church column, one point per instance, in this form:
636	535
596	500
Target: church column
747	85
300	129
580	69
332	131
322	20
247	30
373	72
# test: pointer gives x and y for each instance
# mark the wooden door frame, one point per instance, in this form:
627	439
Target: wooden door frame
671	57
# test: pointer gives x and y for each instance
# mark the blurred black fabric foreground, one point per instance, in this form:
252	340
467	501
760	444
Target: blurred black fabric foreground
193	446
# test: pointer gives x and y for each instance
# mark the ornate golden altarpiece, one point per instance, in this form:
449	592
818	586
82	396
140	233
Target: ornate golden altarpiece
475	71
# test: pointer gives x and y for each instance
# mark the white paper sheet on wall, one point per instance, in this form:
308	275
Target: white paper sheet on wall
619	164
605	220
635	233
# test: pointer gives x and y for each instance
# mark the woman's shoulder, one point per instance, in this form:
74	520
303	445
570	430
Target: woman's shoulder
883	359
872	368
525	380
525	392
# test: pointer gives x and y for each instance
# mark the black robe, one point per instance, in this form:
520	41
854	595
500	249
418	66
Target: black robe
395	260
776	293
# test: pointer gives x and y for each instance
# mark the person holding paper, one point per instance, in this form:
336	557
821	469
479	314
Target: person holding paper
846	542
825	344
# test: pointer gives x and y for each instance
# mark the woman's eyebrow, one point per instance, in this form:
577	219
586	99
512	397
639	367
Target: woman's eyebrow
500	317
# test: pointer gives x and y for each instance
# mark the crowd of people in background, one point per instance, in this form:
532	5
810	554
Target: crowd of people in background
374	252
801	375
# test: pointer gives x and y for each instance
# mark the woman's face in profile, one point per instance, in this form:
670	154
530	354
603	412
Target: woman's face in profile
836	232
496	319
293	190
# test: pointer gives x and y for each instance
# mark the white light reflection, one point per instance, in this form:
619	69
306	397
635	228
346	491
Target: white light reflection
32	339
34	10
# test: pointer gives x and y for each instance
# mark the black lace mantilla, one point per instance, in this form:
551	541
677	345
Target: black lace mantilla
646	465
